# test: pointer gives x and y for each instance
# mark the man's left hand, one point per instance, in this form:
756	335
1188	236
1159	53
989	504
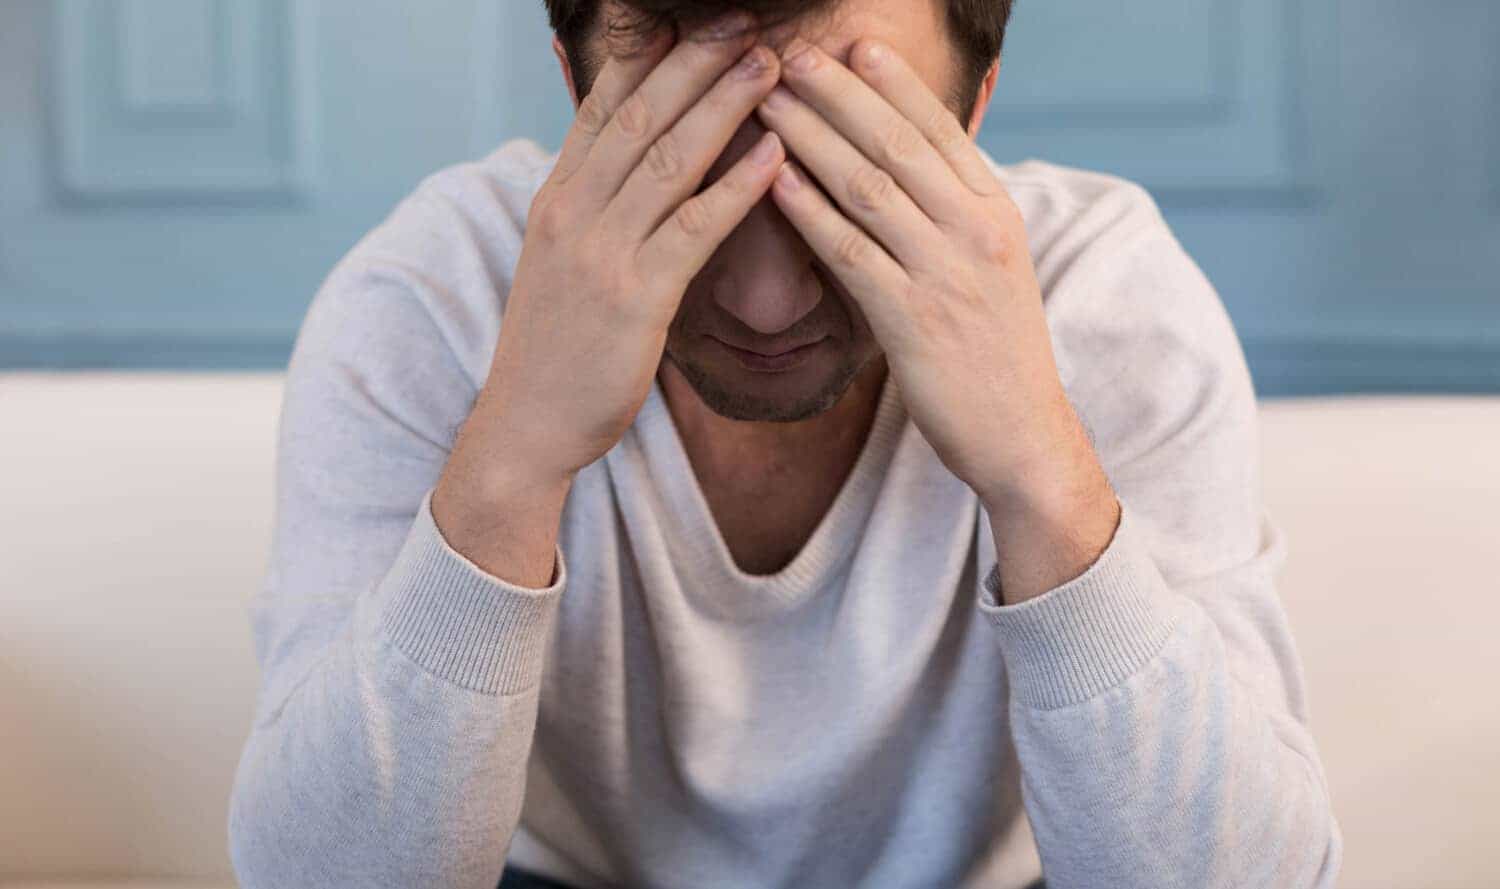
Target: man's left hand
930	244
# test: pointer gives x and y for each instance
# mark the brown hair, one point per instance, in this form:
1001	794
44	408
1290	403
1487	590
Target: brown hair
977	28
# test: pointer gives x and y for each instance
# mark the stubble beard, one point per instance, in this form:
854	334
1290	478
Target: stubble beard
735	404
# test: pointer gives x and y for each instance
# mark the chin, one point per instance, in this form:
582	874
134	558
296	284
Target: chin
737	393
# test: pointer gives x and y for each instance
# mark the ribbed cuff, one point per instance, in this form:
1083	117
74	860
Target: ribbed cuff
1089	634
461	623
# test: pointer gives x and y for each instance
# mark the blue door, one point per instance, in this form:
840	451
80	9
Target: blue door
177	176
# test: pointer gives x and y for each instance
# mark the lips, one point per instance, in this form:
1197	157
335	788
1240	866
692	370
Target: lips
784	359
775	353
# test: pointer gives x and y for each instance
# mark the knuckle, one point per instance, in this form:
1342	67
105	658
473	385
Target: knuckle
852	248
979	181
720	103
592	115
899	144
943	128
695	216
993	242
910	296
634	116
546	214
1010	213
664	158
628	300
808	57
737	185
870	187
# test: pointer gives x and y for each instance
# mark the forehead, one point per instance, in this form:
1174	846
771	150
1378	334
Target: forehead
915	29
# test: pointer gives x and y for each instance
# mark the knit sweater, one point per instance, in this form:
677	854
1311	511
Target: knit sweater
870	715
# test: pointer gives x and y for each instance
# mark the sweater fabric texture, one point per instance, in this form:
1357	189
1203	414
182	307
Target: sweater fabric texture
870	715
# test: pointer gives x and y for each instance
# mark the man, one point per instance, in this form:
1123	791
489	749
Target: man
770	490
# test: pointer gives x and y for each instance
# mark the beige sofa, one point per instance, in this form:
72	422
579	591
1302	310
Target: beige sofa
134	522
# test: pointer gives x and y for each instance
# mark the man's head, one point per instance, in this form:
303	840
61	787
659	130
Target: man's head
764	290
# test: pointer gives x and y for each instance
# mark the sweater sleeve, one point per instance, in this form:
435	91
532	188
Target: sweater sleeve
399	680
1157	702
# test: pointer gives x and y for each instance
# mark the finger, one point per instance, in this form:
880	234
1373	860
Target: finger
880	132
868	194
684	242
899	84
871	275
674	86
621	75
677	161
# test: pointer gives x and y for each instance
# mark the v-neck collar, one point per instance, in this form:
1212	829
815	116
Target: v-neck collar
701	557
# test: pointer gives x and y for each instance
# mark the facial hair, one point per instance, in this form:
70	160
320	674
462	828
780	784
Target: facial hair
735	404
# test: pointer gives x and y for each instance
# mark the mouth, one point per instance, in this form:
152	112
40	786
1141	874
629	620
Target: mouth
771	362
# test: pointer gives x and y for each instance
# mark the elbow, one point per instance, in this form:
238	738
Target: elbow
262	841
246	844
1329	857
1310	833
249	841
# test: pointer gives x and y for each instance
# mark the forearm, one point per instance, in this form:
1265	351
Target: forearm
358	784
1053	520
496	508
1146	760
1178	777
399	759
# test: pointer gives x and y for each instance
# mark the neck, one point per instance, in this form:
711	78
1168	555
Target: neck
723	449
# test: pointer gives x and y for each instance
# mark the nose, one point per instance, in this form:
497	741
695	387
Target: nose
765	270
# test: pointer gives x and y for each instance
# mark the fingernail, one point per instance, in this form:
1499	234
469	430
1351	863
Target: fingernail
874	54
789	178
799	55
778	97
753	63
765	150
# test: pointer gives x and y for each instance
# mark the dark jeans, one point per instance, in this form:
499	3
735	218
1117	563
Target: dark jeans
515	878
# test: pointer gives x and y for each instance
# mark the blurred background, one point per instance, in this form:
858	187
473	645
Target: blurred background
178	176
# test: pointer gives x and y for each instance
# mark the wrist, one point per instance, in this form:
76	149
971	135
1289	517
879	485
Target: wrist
504	450
487	485
506	524
496	506
1051	521
1056	487
1049	538
1057	468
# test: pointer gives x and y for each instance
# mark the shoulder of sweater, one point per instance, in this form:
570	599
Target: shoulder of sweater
1071	209
1068	185
1142	337
451	244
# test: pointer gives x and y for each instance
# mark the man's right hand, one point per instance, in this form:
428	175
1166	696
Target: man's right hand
613	239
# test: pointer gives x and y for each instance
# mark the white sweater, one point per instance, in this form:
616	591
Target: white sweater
868	716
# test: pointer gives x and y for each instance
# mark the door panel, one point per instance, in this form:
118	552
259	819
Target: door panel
179	175
181	101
